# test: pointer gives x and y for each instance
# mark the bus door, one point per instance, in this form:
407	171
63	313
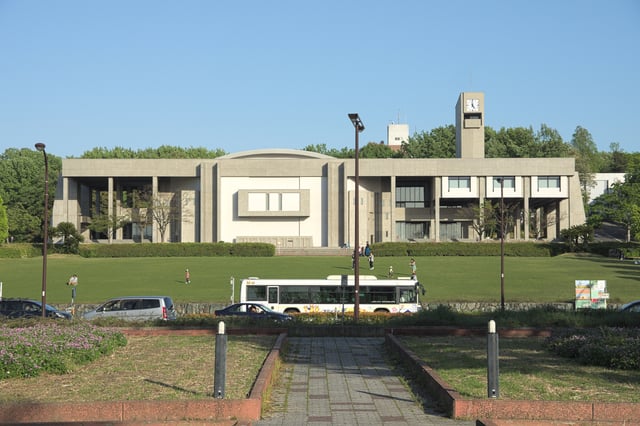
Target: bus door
272	296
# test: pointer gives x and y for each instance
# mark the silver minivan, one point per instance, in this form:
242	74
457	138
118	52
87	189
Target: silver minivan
135	308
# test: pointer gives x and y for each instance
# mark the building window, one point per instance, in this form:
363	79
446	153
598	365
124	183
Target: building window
273	202
407	231
509	182
548	182
410	197
459	182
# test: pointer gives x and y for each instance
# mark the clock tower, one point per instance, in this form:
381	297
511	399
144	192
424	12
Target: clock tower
470	125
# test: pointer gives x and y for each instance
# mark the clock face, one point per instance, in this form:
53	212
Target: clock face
473	105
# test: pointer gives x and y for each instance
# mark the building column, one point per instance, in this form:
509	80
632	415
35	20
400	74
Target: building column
437	193
332	233
526	193
206	203
392	210
155	233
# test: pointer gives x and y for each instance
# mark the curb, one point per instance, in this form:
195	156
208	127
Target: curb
503	412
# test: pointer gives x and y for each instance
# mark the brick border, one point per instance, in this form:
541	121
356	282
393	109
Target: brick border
222	411
230	412
458	407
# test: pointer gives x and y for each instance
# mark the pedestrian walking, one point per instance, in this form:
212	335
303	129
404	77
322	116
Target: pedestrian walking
390	274
412	265
371	258
187	277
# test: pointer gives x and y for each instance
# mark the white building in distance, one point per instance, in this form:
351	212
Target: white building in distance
294	198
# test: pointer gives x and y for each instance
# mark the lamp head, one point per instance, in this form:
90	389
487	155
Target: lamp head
40	146
355	119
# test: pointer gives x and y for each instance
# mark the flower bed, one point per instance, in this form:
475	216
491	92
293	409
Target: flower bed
29	349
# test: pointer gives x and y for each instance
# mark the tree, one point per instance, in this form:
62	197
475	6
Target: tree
622	203
102	222
163	151
578	236
439	143
486	221
333	152
376	150
4	223
548	143
587	159
141	210
614	161
515	142
21	188
71	238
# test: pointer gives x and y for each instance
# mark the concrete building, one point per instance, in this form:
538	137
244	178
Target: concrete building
295	198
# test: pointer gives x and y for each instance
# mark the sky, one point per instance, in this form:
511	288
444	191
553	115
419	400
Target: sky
255	74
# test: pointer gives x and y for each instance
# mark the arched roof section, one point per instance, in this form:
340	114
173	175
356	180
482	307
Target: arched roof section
276	153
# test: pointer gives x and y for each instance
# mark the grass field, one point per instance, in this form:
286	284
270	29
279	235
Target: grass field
527	371
447	279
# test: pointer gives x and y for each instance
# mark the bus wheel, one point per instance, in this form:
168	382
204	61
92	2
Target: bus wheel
291	311
381	311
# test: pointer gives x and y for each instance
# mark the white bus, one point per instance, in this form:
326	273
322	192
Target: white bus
333	294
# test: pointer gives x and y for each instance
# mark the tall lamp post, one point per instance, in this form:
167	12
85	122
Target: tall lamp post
357	123
501	180
41	147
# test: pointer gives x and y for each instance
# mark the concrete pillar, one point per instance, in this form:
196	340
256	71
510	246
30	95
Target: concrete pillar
437	192
392	209
155	233
526	193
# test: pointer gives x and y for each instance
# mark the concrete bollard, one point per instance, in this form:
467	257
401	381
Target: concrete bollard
220	367
493	385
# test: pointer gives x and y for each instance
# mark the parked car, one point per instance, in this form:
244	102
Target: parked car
252	310
135	308
631	306
27	308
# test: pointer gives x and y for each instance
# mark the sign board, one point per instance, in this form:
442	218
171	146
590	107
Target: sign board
591	294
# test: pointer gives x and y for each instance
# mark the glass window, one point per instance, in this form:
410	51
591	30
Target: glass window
509	182
459	182
549	182
256	293
411	196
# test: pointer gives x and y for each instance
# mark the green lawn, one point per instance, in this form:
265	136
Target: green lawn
447	279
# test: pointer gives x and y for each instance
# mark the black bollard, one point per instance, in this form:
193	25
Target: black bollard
493	385
220	368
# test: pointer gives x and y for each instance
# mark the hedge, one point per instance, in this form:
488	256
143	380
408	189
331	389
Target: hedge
524	249
178	250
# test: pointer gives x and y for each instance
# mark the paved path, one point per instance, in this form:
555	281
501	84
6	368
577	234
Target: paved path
344	381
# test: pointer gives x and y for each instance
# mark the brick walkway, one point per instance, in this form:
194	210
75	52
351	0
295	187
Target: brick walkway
344	381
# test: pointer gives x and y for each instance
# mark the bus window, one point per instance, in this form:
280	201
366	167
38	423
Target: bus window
407	295
379	294
294	294
256	293
273	294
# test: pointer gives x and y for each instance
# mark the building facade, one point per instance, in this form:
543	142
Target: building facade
295	198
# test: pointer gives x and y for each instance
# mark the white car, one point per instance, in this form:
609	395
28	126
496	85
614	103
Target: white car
135	308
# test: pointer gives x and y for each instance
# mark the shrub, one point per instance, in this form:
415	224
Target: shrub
28	348
178	250
617	348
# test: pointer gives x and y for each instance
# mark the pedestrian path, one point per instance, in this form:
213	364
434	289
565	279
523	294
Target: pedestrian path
344	381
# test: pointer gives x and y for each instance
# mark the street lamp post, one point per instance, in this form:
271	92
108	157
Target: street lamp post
359	127
41	147
501	180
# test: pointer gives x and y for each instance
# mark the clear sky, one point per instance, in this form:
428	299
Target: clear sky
257	74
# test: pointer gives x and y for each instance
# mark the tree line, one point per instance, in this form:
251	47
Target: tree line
22	171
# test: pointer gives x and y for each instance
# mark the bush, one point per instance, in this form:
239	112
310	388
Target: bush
29	348
178	250
527	249
617	348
